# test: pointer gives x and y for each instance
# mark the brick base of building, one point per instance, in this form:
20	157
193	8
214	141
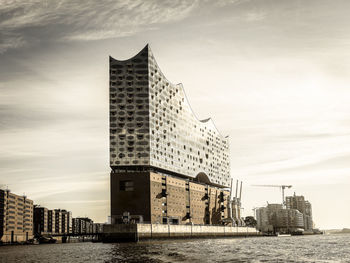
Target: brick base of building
8	237
162	198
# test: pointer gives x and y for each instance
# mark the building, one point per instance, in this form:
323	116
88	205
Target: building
97	228
274	218
70	222
41	221
51	222
47	222
66	221
167	166
304	207
263	220
74	226
58	221
16	217
83	225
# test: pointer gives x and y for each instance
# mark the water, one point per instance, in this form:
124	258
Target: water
327	248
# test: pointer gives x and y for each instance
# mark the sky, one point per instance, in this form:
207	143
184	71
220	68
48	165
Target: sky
273	74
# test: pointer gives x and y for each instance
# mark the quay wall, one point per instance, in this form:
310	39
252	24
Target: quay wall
137	232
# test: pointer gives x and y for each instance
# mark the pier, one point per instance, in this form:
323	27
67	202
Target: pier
138	232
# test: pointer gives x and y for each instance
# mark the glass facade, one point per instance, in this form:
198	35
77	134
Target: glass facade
152	124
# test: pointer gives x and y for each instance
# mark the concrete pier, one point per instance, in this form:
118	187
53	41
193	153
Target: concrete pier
138	232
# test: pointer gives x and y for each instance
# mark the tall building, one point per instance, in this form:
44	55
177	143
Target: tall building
167	166
66	221
58	221
51	222
16	217
275	218
304	207
41	220
263	220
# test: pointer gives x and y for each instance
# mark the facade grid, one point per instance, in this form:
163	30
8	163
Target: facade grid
152	124
167	165
16	217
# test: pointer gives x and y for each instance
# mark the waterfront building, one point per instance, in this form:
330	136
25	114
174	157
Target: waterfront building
274	218
262	220
70	222
304	207
66	221
83	225
97	228
58	221
51	222
74	226
16	217
41	221
167	166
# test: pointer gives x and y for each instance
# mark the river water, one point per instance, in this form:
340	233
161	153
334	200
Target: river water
321	248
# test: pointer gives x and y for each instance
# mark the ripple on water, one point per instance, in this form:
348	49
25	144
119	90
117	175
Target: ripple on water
327	248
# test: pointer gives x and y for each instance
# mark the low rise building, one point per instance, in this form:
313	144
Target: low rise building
16	217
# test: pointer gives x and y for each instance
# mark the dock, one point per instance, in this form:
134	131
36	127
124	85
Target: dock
139	232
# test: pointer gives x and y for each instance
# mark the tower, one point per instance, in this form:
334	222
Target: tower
160	152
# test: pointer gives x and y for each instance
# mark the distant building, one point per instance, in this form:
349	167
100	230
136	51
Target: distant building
167	166
275	218
55	221
263	223
51	222
66	221
58	221
97	228
74	226
82	225
304	207
16	217
41	220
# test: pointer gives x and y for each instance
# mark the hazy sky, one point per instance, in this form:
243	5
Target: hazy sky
273	74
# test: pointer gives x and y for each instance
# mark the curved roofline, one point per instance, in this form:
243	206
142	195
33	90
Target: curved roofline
146	47
207	120
187	100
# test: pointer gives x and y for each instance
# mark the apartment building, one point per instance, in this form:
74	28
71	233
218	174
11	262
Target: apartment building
16	217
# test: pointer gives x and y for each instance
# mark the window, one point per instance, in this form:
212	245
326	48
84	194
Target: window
175	221
126	186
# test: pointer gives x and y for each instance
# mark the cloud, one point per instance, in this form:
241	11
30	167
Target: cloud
84	20
255	16
10	40
229	2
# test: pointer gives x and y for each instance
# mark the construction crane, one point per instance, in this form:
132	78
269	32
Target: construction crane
282	187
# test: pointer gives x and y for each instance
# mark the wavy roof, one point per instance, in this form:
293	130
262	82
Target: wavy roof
148	49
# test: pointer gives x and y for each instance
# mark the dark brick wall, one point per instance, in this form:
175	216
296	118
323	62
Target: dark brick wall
137	202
